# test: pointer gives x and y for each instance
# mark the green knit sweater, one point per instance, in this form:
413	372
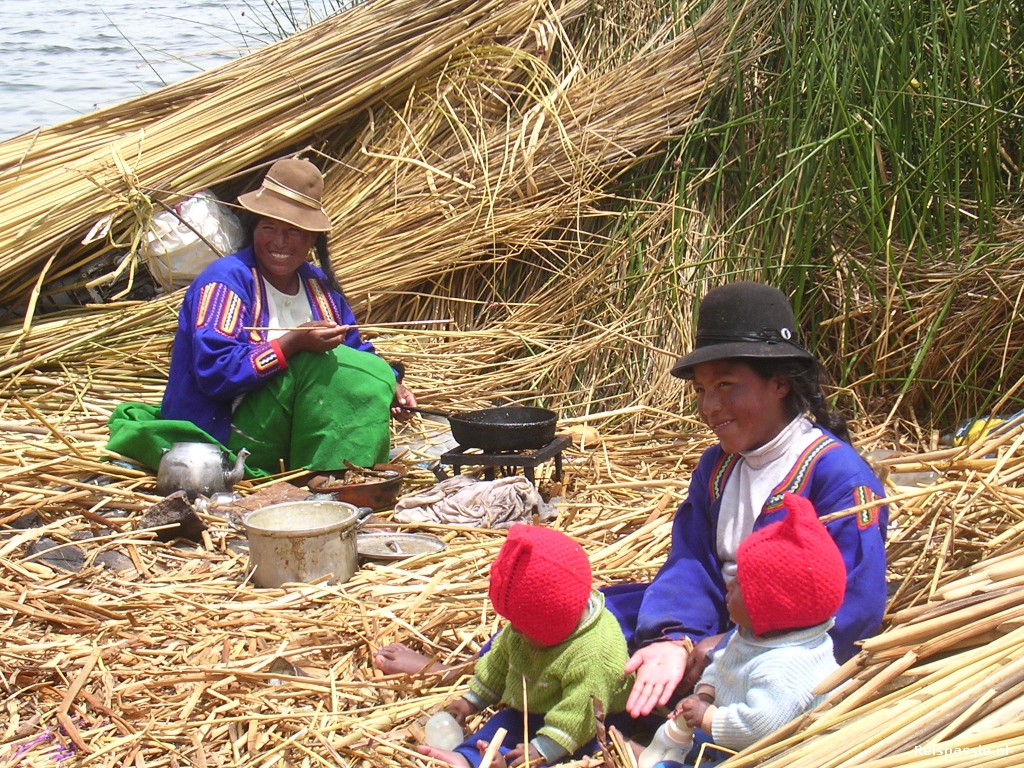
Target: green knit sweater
560	679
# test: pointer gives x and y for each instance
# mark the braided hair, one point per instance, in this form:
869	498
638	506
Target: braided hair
805	394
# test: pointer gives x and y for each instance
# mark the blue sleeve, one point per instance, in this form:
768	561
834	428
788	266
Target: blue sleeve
841	480
227	360
687	596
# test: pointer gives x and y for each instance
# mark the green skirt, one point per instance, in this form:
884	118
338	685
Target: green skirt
323	410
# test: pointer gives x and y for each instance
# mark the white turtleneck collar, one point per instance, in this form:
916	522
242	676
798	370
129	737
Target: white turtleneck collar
777	446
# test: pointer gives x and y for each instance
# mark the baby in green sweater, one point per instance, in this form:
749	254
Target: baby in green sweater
560	639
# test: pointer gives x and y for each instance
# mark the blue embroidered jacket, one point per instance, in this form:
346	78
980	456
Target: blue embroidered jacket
687	596
214	359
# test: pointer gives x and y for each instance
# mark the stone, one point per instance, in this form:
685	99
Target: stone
175	511
56	554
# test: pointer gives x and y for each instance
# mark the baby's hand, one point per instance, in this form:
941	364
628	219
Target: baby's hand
515	757
460	709
692	708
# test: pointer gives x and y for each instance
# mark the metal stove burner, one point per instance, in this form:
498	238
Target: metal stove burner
460	457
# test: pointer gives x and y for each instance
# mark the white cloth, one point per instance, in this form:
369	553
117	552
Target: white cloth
461	500
286	310
756	475
762	683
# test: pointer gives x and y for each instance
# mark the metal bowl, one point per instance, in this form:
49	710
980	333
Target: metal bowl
397	546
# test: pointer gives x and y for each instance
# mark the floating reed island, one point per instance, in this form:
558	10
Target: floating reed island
560	181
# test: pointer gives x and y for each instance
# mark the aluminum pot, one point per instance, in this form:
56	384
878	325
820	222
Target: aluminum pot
302	541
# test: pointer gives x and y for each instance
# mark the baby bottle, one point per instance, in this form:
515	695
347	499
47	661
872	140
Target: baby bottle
442	731
672	741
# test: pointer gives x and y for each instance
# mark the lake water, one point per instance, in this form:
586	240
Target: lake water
63	58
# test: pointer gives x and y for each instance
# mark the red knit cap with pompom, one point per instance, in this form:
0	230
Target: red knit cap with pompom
540	582
791	572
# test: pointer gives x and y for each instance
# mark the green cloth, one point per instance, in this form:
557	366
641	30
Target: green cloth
323	410
320	411
138	432
560	679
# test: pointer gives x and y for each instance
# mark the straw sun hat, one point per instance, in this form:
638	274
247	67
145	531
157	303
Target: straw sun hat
742	320
292	191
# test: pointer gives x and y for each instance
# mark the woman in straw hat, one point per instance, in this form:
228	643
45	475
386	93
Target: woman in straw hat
759	391
268	356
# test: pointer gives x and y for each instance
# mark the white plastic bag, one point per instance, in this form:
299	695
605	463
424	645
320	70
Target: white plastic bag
175	254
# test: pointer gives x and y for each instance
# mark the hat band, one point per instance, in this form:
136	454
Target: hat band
291	194
767	336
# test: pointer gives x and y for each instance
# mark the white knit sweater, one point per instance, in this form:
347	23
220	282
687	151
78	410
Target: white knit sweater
763	683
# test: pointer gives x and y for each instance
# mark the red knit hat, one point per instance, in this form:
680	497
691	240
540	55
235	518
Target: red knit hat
791	572
540	582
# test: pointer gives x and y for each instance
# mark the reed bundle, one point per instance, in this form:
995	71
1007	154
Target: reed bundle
949	328
314	81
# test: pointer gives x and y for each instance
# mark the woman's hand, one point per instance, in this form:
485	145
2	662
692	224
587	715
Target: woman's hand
698	661
403	396
317	337
659	668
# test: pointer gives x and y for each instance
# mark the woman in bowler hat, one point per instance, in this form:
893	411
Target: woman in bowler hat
268	355
759	391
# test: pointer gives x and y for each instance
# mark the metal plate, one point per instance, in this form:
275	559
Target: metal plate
397	546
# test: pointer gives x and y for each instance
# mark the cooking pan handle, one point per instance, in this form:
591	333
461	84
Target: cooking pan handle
426	411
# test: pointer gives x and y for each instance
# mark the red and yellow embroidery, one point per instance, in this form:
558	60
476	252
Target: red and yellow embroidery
230	315
319	301
800	475
257	305
865	517
264	360
207	295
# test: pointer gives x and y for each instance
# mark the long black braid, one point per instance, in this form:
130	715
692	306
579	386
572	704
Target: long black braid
323	257
805	394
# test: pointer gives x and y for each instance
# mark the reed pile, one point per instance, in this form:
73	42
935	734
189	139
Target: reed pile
563	180
177	659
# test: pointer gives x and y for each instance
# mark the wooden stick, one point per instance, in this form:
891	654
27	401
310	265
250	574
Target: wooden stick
364	326
492	748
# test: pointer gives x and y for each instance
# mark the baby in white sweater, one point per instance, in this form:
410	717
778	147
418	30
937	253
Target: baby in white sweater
789	583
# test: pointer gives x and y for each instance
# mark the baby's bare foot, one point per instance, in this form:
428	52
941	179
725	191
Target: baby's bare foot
398	658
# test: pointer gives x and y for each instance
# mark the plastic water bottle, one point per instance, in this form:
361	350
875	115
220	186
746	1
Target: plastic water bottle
672	741
443	732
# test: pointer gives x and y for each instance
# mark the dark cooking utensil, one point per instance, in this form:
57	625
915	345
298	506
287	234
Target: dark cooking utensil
507	428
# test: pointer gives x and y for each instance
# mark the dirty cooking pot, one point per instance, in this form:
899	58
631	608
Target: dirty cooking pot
302	541
507	428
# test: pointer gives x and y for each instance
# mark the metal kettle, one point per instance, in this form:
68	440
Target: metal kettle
198	469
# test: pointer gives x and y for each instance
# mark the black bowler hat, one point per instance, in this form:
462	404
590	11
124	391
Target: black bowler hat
743	320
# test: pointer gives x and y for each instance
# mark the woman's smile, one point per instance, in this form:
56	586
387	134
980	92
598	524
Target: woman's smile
742	408
280	249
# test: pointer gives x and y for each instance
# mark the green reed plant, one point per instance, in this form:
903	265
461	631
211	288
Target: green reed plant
874	146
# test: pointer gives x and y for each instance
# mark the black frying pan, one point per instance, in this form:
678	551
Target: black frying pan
508	428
